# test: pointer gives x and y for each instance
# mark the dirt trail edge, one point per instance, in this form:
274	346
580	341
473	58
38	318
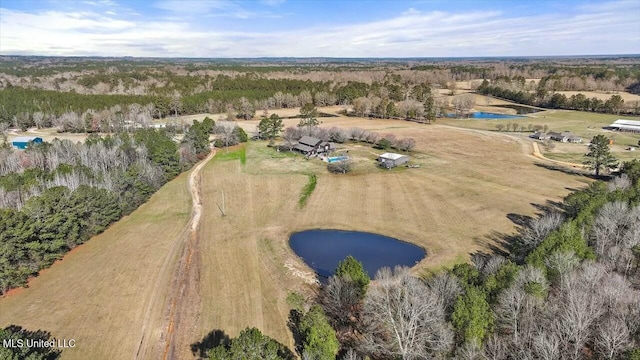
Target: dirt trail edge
538	154
175	281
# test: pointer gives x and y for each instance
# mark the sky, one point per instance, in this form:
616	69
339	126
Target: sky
317	28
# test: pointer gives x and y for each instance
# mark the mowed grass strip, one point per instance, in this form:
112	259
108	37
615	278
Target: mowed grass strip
98	294
307	190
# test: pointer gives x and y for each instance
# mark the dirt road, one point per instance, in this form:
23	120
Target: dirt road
182	297
539	155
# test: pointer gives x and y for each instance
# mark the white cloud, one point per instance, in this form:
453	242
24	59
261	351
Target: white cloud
609	28
212	8
272	2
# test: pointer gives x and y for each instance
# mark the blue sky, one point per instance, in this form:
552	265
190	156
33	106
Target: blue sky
310	28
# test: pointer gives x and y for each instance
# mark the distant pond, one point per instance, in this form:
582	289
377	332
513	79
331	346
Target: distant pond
487	115
520	109
322	250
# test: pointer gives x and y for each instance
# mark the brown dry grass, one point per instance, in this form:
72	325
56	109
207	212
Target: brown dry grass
47	134
99	293
627	97
455	204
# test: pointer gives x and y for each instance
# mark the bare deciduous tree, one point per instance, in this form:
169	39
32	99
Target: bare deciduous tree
403	318
611	337
537	230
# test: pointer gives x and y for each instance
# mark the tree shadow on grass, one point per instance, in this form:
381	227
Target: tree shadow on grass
497	243
213	339
519	220
548	207
573	171
294	326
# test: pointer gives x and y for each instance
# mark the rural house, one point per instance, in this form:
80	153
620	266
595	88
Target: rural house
540	136
390	160
564	137
574	139
309	146
625	125
23	142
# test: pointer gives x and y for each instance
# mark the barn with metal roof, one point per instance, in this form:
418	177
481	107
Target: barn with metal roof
625	125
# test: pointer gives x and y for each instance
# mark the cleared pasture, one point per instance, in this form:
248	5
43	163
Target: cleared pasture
100	293
459	201
584	124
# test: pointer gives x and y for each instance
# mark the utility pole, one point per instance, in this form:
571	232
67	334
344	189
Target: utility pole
223	208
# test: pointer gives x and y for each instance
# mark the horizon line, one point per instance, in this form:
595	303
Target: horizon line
629	55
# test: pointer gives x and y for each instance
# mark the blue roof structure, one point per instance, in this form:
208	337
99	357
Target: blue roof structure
22	142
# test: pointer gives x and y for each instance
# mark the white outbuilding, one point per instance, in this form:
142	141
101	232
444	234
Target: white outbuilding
390	160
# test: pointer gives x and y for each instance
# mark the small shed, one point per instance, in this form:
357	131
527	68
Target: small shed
23	142
390	160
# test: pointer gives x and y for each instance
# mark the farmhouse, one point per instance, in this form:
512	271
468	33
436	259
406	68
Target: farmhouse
625	125
308	145
390	160
23	142
564	137
540	136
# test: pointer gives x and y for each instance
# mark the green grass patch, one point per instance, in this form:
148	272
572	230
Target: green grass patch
237	154
307	190
264	151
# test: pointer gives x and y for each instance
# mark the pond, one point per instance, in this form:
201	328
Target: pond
481	115
322	250
487	115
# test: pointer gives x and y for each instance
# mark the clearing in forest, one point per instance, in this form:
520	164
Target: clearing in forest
459	201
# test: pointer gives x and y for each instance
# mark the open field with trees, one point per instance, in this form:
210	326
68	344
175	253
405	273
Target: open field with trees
100	292
206	257
102	96
583	124
444	206
458	202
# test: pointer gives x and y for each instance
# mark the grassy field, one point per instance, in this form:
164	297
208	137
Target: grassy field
99	294
583	124
456	203
459	201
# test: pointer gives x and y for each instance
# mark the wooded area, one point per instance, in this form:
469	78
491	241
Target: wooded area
57	195
107	96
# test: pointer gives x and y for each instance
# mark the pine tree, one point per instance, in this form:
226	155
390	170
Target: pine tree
599	155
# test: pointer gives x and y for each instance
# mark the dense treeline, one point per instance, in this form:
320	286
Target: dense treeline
57	195
518	91
53	87
569	289
18	105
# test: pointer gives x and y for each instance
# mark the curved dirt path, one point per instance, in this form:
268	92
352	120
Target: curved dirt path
174	281
539	155
536	153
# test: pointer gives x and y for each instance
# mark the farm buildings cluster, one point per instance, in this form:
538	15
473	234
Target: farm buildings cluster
314	147
556	136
